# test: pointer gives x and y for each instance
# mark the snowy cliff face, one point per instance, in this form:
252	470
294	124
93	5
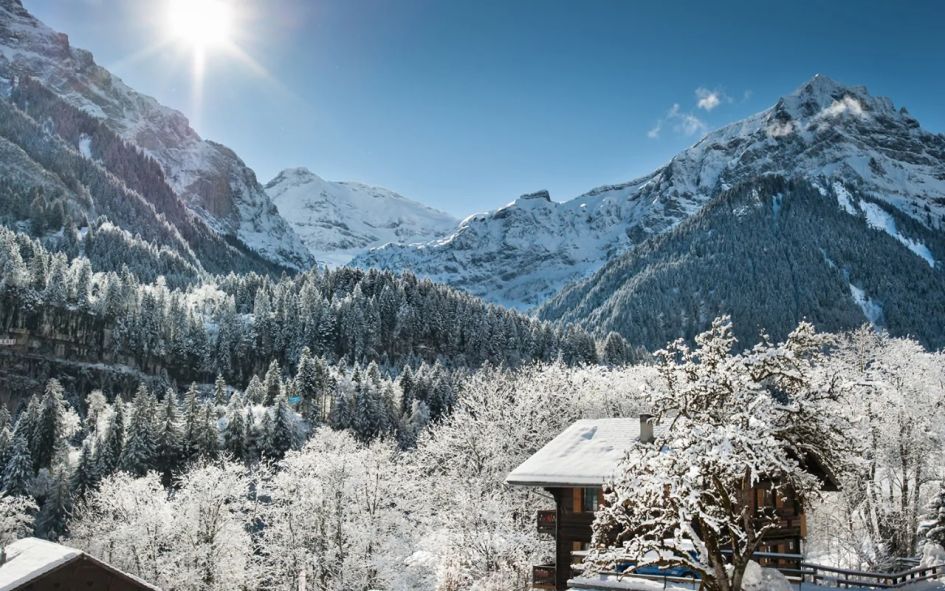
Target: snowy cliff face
523	253
214	183
339	220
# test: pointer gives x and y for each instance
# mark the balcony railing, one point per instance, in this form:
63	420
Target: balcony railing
547	522
543	577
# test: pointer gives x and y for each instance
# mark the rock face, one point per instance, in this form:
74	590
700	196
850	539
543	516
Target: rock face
523	253
340	220
770	253
216	186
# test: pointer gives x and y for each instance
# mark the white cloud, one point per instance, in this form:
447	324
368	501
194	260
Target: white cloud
682	123
710	99
780	129
655	132
685	123
847	104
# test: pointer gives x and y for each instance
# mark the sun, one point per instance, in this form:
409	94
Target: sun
201	24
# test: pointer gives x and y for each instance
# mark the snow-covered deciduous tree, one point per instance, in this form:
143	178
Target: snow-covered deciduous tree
732	422
192	539
16	520
127	522
210	547
326	497
899	417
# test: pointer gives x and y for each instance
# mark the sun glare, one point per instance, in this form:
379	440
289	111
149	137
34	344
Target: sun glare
200	23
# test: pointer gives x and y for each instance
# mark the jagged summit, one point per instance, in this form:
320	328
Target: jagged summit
209	178
339	220
824	131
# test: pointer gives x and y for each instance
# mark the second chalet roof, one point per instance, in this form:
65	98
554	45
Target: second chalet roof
585	454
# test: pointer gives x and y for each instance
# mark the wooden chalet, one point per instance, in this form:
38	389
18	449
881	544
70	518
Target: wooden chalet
32	564
575	465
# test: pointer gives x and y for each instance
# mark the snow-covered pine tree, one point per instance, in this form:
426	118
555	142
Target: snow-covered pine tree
168	448
235	431
6	441
219	391
406	382
85	476
273	383
251	437
18	472
280	429
137	456
615	350
932	526
309	388
109	453
209	433
255	391
191	436
53	515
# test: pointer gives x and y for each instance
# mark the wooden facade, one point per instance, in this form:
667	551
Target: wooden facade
32	564
570	525
574	466
82	574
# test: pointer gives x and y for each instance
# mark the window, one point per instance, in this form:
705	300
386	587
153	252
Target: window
589	502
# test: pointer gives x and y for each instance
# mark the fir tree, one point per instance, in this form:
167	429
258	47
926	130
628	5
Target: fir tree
219	391
137	456
273	383
114	443
251	436
168	441
235	431
209	434
932	529
51	521
280	432
192	421
48	433
85	477
308	387
406	383
6	444
255	391
18	472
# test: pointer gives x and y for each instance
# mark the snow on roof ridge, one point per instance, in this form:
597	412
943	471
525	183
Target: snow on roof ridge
30	558
585	454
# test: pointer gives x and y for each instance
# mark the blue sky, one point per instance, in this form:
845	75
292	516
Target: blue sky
464	105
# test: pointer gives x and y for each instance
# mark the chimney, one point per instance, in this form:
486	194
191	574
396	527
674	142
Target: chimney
646	428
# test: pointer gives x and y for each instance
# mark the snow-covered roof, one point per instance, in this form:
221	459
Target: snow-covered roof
585	454
30	558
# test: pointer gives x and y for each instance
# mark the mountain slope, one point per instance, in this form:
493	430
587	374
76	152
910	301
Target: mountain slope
523	253
771	252
211	180
338	220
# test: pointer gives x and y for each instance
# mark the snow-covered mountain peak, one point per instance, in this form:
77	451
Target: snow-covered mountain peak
823	98
524	252
339	220
210	178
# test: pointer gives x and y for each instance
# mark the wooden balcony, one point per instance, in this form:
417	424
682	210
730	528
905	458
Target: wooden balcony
543	577
547	522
